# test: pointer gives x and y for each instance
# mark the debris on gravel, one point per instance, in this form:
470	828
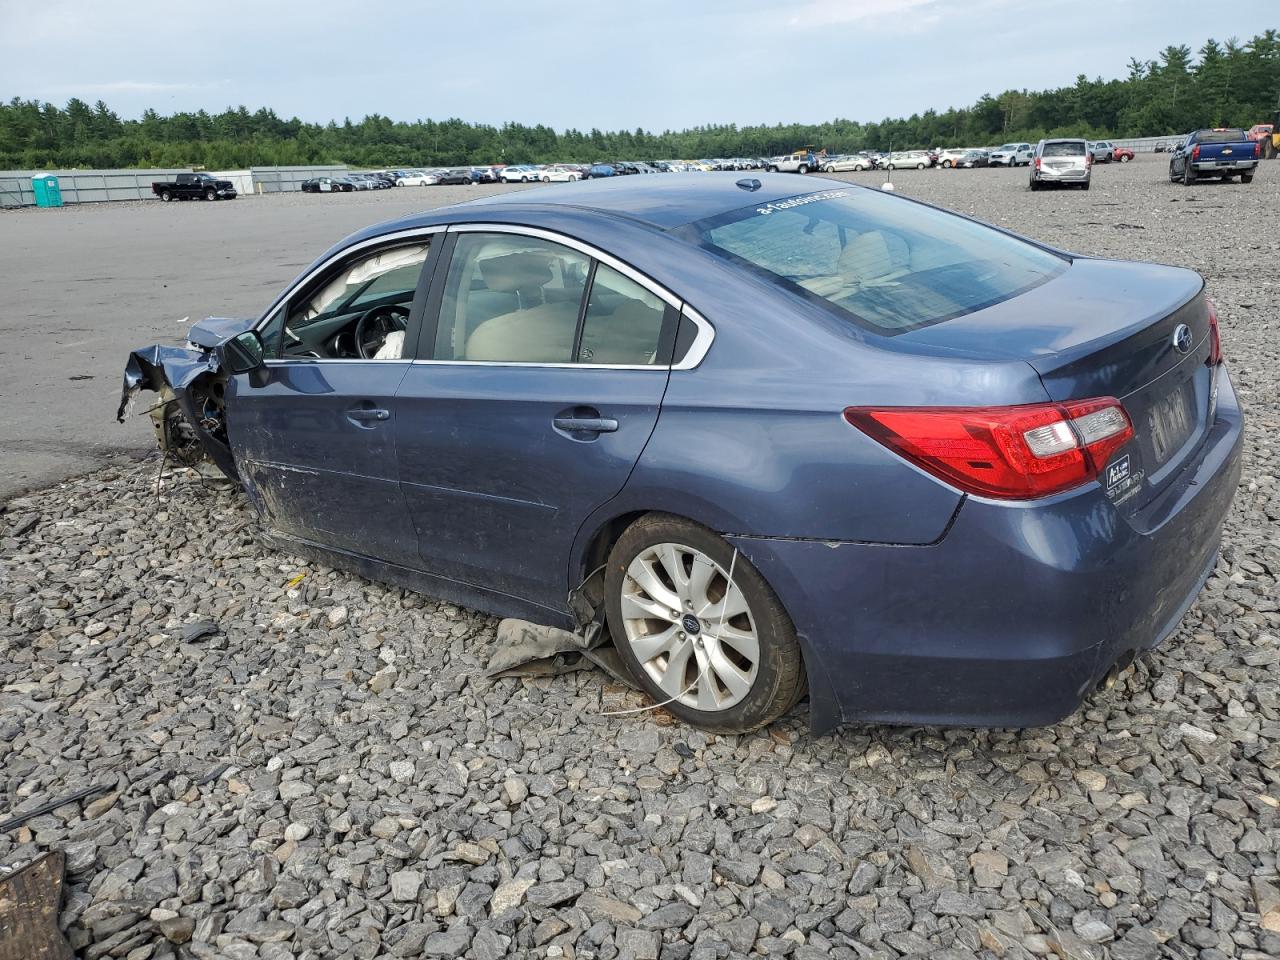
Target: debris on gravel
317	766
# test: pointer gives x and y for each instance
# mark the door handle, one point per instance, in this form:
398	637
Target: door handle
585	424
367	415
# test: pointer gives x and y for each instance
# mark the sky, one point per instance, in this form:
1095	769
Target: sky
657	64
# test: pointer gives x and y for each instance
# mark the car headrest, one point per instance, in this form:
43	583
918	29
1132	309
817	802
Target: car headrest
515	271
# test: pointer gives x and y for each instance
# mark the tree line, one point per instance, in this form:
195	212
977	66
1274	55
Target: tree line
1221	84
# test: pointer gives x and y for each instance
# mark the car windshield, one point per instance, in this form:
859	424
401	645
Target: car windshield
887	263
1220	136
1065	148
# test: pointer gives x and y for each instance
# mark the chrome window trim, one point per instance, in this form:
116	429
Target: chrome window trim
693	357
386	238
697	350
655	367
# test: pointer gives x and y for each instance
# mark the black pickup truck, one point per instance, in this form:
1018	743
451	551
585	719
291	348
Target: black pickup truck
193	186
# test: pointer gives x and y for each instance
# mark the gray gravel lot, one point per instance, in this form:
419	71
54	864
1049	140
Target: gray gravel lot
331	776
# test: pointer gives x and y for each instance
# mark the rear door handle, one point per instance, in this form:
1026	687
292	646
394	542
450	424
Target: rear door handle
585	424
367	415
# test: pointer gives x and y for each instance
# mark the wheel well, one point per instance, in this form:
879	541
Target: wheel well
597	552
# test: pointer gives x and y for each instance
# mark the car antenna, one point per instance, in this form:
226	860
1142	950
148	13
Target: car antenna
887	186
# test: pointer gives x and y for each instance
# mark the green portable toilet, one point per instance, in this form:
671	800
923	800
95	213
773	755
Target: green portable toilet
48	193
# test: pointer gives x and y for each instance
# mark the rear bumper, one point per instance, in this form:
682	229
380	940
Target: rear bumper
1208	166
1062	176
1011	618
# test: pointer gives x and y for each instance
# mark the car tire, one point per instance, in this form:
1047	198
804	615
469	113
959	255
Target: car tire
166	196
1034	184
1246	178
1188	175
211	195
1125	158
769	654
919	166
947	163
804	168
546	179
1173	177
829	168
1085	185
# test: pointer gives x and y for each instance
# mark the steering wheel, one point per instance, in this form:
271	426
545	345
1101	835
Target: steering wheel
374	325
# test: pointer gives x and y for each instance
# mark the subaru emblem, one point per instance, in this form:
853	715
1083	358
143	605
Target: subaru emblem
1182	339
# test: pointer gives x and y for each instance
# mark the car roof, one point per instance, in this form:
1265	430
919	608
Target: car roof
662	202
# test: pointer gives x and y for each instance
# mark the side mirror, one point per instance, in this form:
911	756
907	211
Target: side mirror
242	353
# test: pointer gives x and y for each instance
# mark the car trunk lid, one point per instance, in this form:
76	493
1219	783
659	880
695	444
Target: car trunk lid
1107	328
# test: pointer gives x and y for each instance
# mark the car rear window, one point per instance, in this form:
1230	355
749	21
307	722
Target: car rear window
884	262
1220	136
1067	148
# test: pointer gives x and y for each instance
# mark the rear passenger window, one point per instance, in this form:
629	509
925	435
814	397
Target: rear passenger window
623	323
511	299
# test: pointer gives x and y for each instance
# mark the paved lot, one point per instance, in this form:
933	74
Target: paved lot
88	283
331	776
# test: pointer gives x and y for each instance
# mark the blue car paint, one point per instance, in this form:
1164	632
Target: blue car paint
318	467
1014	615
834	521
495	491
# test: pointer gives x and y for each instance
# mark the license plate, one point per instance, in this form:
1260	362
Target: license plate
1172	420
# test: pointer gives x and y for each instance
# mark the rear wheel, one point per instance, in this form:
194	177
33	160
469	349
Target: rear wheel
946	163
1188	175
1246	178
919	166
804	168
166	196
718	651
1034	184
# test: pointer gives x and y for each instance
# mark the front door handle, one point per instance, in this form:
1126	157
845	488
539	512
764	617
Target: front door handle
368	415
585	424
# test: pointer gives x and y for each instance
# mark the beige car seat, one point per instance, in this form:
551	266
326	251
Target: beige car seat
873	259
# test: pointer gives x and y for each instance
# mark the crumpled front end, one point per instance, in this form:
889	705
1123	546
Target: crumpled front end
190	415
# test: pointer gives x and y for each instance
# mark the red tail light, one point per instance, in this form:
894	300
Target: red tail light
1088	159
1195	152
1257	148
1037	163
1010	453
1215	335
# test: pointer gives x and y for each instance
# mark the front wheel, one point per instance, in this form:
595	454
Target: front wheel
211	195
919	166
946	163
1125	158
699	628
829	168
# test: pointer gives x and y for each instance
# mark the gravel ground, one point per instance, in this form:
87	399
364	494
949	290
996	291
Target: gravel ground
331	776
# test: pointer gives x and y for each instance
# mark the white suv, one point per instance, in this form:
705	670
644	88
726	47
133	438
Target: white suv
1012	155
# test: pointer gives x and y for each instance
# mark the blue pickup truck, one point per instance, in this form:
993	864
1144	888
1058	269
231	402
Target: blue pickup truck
1221	152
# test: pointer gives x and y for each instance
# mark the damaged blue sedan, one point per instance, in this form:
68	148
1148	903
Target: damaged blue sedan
834	442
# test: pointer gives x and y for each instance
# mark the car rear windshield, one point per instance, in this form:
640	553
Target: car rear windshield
884	262
1220	136
1065	148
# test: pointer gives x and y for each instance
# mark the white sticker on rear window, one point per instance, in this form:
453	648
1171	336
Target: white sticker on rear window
800	201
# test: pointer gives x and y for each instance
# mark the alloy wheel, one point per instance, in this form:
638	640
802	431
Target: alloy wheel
689	627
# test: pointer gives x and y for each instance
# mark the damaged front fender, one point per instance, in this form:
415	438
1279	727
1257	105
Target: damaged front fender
190	417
